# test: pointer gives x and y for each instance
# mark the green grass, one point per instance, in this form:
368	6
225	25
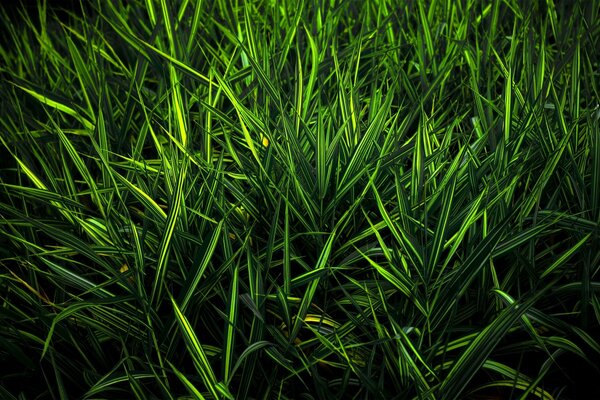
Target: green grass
300	200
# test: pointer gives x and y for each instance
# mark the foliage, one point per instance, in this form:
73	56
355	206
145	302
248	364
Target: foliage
305	200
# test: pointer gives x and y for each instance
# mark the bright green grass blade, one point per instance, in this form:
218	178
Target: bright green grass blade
475	355
460	279
201	363
565	256
186	382
398	280
231	326
208	250
594	131
411	250
365	147
58	104
85	80
313	284
441	227
149	204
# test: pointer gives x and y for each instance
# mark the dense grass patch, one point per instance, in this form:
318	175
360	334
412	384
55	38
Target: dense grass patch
300	200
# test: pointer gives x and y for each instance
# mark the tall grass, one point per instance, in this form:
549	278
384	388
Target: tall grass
300	200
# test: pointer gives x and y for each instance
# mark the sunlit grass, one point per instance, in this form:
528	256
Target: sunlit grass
291	200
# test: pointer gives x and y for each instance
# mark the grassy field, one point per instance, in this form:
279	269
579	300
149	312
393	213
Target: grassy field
300	200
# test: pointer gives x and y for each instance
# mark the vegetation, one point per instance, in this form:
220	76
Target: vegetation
300	200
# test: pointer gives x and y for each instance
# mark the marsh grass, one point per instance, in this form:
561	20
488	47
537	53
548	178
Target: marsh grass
291	200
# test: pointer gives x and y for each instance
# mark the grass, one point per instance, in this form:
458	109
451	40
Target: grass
300	201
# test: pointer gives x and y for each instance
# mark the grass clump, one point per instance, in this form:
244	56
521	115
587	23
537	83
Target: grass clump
300	200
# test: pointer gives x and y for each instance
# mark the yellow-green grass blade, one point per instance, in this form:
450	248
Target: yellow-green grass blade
196	351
